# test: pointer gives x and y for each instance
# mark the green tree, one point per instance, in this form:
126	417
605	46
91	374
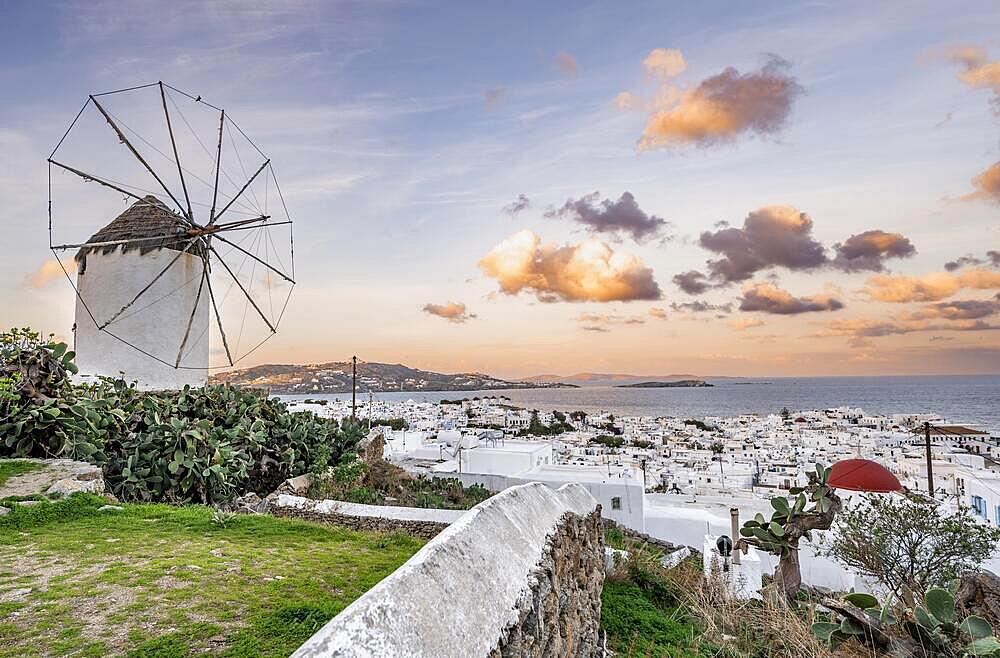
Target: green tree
909	544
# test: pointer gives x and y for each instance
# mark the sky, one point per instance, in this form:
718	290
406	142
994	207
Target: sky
757	189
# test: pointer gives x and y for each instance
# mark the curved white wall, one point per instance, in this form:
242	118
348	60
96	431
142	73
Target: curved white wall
455	597
110	281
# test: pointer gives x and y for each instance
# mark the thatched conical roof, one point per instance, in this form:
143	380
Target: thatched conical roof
146	218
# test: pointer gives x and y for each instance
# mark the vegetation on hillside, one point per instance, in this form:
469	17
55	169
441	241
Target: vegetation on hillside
194	445
154	580
374	481
909	545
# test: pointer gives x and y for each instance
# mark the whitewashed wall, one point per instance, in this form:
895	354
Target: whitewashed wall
456	597
112	280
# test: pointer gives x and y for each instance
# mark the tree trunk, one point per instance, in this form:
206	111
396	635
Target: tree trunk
788	575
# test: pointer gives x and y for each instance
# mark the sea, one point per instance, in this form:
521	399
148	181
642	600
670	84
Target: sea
959	399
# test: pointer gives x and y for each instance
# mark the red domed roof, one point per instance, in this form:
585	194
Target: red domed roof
863	475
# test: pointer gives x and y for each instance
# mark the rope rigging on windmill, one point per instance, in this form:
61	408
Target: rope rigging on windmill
197	271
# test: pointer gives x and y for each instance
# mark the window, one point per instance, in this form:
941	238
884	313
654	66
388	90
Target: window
997	517
616	503
979	505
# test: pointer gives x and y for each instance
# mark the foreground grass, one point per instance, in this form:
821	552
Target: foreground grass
12	468
159	581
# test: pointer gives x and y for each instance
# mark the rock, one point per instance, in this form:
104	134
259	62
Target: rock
69	486
90	474
250	503
28	503
4	511
299	485
15	595
109	508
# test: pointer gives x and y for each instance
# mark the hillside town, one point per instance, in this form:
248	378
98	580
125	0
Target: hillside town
676	479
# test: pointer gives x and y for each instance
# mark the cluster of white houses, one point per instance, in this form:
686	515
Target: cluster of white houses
676	479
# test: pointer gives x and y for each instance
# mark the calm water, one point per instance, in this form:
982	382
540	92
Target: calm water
971	399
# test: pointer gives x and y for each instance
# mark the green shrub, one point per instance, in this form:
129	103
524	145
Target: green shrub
203	445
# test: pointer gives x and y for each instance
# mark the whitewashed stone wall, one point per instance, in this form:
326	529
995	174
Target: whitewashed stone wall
518	575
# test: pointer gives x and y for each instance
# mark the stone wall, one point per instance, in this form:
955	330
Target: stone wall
368	518
520	574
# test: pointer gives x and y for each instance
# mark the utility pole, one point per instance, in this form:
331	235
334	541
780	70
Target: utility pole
930	469
354	388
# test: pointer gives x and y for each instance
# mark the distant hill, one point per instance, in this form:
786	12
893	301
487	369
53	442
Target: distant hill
613	379
335	377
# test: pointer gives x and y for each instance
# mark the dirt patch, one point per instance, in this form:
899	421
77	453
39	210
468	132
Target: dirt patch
38	482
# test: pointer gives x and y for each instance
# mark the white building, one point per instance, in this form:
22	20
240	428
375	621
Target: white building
110	277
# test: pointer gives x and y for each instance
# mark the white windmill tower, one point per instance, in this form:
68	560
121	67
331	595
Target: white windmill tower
176	284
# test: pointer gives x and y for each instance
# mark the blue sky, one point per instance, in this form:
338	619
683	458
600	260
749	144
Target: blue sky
400	131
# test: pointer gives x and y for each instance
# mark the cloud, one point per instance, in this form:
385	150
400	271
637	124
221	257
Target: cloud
658	313
781	236
868	251
768	298
931	287
699	306
987	185
859	330
612	217
665	63
451	311
718	109
47	272
495	96
992	259
628	101
520	204
603	322
968	309
977	70
588	271
692	282
770	236
742	324
565	64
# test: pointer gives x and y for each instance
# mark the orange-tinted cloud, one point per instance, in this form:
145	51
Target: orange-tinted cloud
860	330
665	63
770	236
987	185
931	287
451	311
977	70
602	322
769	298
44	275
565	64
742	324
658	313
588	271
718	109
867	251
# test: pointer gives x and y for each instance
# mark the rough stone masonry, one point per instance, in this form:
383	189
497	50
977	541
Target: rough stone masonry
519	575
560	613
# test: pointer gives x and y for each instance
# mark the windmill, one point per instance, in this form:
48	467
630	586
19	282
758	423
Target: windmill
196	270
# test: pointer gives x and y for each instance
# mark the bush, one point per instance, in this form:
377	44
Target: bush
194	445
909	544
609	441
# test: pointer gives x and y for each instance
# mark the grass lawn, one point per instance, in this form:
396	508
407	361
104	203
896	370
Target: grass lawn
155	580
13	467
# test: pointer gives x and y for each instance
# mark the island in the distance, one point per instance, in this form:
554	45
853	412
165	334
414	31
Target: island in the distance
683	383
